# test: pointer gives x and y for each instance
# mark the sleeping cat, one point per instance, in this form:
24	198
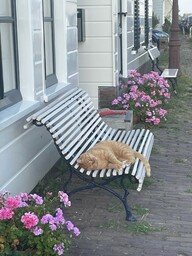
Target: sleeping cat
110	154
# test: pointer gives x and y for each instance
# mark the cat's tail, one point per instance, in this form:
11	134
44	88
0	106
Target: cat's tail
145	162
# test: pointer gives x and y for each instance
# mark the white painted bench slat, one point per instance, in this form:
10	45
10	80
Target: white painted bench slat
102	127
70	123
85	132
73	104
63	114
65	96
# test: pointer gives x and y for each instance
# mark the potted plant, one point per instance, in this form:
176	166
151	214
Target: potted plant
147	95
32	225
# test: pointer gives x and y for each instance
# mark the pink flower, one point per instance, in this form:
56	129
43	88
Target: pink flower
53	227
148	113
6	213
36	198
59	219
156	121
148	120
134	88
24	196
137	104
47	218
29	220
115	102
76	231
13	202
37	231
64	198
162	112
167	95
70	225
59	248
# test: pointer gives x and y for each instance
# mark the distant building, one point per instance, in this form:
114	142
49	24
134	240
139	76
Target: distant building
162	9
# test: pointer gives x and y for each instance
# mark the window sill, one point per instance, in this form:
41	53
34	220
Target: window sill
54	90
12	114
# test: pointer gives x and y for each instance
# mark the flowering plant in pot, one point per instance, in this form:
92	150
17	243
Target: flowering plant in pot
147	95
32	225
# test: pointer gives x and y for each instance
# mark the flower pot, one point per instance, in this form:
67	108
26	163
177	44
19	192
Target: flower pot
136	119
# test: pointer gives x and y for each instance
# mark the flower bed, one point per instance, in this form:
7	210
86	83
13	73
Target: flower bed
32	224
147	95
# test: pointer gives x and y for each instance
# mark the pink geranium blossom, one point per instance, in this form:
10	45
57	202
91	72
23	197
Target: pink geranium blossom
29	220
13	202
6	213
64	198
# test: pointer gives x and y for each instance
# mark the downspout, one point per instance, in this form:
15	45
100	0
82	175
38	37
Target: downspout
113	21
124	39
121	38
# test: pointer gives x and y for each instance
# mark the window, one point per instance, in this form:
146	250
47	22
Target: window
137	29
49	43
9	67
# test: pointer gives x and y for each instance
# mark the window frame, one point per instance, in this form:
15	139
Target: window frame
13	96
50	79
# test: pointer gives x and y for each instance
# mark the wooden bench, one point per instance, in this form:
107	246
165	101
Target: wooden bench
169	74
75	126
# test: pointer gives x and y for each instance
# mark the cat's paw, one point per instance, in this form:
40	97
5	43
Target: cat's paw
148	172
119	167
124	164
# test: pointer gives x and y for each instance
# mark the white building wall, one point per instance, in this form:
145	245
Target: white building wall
27	155
96	52
99	54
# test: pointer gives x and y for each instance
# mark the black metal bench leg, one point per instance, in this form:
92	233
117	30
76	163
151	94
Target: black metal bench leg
68	179
91	183
129	215
173	83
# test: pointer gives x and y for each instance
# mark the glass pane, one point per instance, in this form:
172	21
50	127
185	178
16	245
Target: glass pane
7	54
5	8
48	48
47	8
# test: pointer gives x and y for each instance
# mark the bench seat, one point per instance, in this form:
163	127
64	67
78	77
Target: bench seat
75	126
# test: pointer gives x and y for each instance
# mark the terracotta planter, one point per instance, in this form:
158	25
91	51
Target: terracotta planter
136	119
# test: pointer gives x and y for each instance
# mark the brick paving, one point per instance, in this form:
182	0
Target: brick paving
168	198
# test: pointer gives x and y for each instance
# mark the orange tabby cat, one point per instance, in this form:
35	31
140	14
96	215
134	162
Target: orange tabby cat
110	154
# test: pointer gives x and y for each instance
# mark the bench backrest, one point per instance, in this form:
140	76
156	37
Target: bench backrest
154	53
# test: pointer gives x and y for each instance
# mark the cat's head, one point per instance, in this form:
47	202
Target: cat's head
87	161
